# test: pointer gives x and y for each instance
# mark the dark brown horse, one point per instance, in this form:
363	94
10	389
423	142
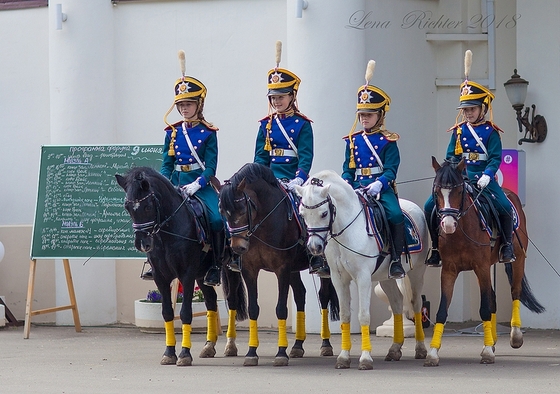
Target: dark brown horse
464	246
164	228
265	232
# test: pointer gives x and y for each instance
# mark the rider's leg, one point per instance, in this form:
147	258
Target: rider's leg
434	260
396	270
318	265
213	275
506	222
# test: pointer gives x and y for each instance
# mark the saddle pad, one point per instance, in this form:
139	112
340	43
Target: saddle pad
413	239
487	223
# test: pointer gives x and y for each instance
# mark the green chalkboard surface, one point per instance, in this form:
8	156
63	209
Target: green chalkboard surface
80	207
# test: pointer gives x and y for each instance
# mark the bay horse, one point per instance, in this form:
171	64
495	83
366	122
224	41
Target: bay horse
164	229
465	245
265	233
337	224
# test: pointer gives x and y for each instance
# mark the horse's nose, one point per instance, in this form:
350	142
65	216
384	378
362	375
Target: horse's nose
448	225
142	245
315	248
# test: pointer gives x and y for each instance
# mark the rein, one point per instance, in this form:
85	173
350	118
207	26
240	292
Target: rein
314	231
250	206
153	227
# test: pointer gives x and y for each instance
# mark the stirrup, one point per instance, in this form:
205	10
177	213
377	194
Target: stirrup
324	272
212	277
147	275
434	260
507	258
235	264
396	270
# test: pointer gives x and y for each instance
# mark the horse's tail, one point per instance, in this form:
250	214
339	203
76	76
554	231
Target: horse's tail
333	300
527	297
230	278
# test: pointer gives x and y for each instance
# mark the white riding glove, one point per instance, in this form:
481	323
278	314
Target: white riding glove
483	181
190	189
374	188
294	182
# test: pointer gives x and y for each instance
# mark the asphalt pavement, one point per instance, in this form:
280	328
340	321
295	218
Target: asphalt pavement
121	359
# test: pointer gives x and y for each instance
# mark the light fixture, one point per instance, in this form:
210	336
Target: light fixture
300	6
60	16
516	90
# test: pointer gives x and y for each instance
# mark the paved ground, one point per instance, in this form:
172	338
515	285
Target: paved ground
124	360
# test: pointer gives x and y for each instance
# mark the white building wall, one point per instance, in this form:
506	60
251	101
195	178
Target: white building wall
107	77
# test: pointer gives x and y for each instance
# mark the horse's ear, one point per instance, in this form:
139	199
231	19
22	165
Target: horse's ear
215	182
241	185
145	184
325	191
121	181
435	164
461	165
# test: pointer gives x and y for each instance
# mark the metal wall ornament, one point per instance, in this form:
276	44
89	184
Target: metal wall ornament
535	129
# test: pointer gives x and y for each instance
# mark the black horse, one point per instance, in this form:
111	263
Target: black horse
265	232
165	229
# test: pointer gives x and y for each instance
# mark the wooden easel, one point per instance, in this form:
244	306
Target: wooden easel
71	294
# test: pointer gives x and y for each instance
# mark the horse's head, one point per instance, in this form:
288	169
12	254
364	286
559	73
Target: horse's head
142	204
449	193
318	212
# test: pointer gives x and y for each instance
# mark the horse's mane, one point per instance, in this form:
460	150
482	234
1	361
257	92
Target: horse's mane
448	175
249	173
154	178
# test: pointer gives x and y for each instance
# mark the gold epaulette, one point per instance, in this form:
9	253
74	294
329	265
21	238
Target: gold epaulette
177	124
495	126
303	116
390	135
354	133
209	125
267	117
455	126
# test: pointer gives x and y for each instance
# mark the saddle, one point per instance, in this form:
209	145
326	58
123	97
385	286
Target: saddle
198	209
293	201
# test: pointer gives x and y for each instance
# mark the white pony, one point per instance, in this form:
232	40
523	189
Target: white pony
337	227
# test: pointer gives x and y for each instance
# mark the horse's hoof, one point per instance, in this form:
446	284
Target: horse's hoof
280	362
209	350
342	363
394	353
420	352
487	355
516	338
365	365
168	360
184	362
251	362
487	360
326	351
297	352
231	350
431	363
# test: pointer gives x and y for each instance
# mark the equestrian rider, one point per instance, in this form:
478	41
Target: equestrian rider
478	142
190	157
285	138
372	160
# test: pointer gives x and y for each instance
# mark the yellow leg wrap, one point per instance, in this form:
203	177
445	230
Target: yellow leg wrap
325	331
418	329
494	328
438	333
487	328
300	326
366	343
515	316
186	342
282	336
212	324
253	334
169	333
398	330
345	336
231	332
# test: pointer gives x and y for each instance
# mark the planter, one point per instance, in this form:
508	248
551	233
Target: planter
147	316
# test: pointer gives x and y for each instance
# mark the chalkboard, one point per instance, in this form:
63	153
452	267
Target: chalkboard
80	207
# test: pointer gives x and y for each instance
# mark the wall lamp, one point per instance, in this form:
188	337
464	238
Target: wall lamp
300	6
516	90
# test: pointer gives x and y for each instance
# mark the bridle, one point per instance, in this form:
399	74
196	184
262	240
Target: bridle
153	227
249	229
328	230
454	213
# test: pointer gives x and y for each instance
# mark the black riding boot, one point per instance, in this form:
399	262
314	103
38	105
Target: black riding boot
396	270
235	263
213	275
507	255
434	260
318	265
